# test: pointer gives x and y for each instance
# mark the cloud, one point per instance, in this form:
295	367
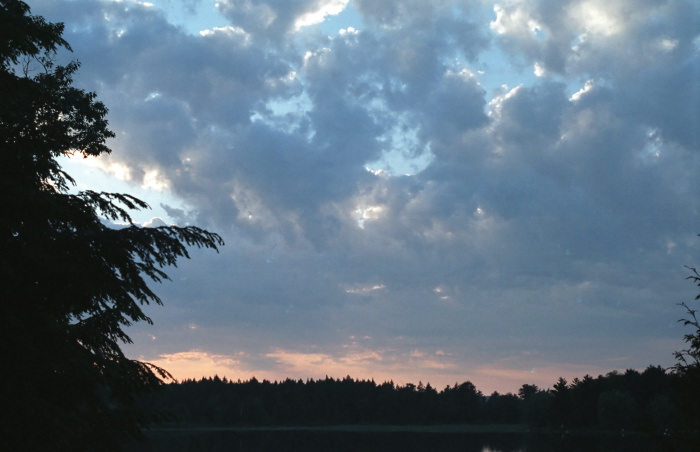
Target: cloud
273	20
552	216
357	362
195	364
323	9
601	38
154	223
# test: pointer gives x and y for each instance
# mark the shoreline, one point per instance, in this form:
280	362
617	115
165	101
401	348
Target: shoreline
464	428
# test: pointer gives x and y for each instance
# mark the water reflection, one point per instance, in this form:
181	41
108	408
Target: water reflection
296	441
331	441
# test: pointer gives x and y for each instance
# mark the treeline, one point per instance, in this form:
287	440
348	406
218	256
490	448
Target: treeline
652	400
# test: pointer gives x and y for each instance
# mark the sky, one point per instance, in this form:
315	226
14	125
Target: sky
502	192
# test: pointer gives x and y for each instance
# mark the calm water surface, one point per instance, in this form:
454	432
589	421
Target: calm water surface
297	441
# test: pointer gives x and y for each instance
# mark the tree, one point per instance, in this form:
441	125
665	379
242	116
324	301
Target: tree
688	360
70	282
616	410
561	403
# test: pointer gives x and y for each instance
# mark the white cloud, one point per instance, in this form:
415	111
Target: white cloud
325	8
600	17
154	223
514	19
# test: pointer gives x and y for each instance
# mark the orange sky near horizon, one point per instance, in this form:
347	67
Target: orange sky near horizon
195	364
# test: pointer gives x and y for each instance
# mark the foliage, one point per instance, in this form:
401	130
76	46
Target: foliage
648	401
615	410
689	358
71	283
219	402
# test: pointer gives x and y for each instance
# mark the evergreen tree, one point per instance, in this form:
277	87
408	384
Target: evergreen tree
70	282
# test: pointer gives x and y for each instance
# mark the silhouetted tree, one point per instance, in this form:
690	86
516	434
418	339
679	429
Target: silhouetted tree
537	409
688	360
616	410
527	390
70	283
461	403
502	409
646	401
561	404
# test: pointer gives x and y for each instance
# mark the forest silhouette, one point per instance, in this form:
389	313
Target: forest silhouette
653	400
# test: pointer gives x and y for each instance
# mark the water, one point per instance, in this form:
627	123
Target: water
315	441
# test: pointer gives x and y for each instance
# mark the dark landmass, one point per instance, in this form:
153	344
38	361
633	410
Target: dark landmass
654	401
452	428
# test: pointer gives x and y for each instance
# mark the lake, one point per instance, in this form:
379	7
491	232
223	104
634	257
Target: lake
352	441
